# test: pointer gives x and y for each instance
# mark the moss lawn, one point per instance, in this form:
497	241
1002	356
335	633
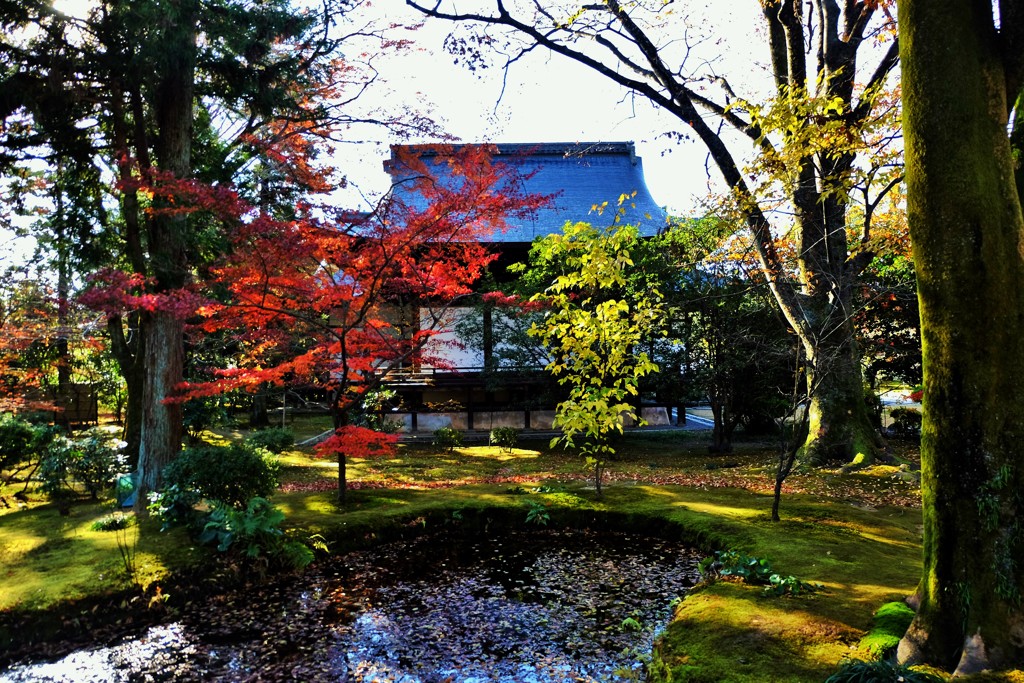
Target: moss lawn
857	534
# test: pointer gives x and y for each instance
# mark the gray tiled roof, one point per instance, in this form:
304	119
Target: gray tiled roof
580	176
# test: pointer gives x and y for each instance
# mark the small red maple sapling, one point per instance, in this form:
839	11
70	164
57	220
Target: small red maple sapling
358	442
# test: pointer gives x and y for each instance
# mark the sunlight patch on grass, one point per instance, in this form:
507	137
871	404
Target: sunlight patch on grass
221	437
58	558
565	499
880	535
17	543
718	510
387	500
59	569
302	506
881	471
499	454
295	458
658	491
874	593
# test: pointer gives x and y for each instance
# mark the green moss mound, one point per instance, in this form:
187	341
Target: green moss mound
890	623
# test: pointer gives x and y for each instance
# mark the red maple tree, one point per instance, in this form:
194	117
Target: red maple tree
330	298
25	321
336	300
40	331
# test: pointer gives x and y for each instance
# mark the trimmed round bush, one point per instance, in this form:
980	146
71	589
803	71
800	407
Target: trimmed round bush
448	438
505	438
230	474
274	440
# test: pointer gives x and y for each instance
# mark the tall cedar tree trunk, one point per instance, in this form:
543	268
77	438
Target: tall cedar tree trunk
258	416
163	352
968	234
129	360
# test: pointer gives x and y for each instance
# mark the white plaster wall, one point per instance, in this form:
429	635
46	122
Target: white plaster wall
446	345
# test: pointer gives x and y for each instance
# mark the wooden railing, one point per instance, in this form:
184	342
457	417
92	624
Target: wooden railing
429	374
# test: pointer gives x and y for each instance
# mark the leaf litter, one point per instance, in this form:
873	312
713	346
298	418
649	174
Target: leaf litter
537	607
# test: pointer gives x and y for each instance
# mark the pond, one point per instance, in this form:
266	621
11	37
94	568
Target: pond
534	606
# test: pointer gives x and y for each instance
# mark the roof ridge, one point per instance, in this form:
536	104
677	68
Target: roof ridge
546	148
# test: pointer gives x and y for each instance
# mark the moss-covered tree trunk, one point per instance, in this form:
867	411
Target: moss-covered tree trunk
839	425
968	240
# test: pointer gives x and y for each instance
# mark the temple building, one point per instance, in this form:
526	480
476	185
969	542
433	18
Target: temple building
476	386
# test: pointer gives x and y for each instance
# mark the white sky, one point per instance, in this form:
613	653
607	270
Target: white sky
546	99
553	99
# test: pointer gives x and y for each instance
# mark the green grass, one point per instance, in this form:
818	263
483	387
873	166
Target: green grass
47	559
850	532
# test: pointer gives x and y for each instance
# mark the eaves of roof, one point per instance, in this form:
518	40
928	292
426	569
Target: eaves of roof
580	177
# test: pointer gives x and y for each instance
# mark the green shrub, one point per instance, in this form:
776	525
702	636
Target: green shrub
274	440
92	460
174	505
537	514
880	671
890	623
54	476
256	533
16	441
447	438
98	462
734	563
787	584
113	522
504	438
754	570
906	422
229	474
21	443
631	624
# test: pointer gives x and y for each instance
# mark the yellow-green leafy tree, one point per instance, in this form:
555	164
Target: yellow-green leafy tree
593	328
